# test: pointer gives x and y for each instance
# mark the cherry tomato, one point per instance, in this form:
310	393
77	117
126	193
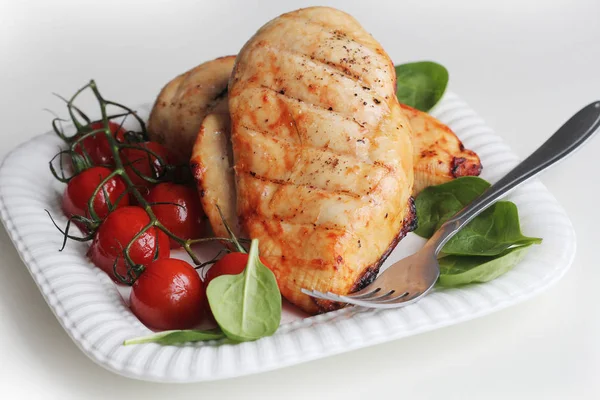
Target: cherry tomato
168	295
229	264
183	216
82	186
117	231
144	162
97	146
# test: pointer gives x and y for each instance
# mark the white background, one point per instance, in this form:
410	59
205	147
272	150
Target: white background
525	66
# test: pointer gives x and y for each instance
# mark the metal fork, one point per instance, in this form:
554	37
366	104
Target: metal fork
410	279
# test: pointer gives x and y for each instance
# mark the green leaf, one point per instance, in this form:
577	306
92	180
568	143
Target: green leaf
436	204
421	84
177	337
490	233
246	306
461	270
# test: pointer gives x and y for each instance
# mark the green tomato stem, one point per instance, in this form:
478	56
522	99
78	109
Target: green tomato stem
119	170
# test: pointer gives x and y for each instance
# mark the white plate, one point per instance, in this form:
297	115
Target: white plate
92	311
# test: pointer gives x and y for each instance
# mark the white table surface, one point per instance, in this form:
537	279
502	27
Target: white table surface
525	66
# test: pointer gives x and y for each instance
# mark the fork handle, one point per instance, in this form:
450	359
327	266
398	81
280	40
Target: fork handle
574	133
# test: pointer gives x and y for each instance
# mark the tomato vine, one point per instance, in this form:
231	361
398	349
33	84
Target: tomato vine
81	160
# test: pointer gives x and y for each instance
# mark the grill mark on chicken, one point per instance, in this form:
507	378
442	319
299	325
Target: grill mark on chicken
362	87
332	228
353	35
355	88
332	159
303	157
331	66
316	106
272	205
292	183
304	145
277	223
333	155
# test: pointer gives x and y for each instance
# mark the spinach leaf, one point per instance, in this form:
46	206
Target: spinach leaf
487	247
436	204
490	233
460	270
246	306
177	337
421	84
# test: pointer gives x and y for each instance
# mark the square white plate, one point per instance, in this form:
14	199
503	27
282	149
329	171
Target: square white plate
92	311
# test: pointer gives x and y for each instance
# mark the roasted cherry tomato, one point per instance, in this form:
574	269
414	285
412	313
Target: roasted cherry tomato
117	231
168	295
82	186
97	146
144	162
182	215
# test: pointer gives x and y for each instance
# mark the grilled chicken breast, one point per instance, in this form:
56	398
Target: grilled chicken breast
439	156
184	102
322	150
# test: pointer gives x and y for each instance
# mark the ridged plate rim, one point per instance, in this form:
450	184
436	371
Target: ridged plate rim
91	311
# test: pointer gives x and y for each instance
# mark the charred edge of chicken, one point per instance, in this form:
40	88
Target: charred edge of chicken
464	167
408	225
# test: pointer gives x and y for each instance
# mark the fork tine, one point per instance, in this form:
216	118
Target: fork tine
338	298
382	301
335	297
363	303
376	298
405	298
394	298
324	296
313	293
401	300
361	295
372	287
